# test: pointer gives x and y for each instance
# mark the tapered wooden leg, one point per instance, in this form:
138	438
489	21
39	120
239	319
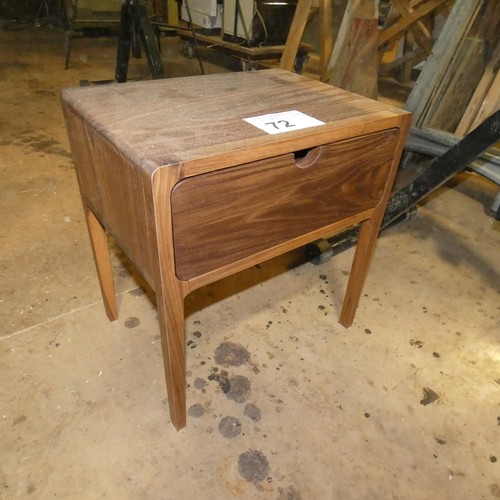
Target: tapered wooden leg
100	248
171	312
360	264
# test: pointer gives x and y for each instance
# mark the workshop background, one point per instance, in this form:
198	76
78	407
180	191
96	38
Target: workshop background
405	404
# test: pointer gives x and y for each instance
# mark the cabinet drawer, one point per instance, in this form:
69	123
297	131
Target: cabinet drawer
226	215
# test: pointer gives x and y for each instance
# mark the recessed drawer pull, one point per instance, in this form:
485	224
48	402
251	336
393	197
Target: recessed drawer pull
307	157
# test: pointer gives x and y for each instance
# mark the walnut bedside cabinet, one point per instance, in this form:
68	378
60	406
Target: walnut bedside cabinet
200	177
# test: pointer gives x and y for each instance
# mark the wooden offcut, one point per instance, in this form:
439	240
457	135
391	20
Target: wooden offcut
354	62
295	34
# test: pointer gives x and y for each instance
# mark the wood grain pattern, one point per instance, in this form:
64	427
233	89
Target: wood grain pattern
354	62
460	80
212	227
295	33
118	194
325	36
429	84
182	120
477	99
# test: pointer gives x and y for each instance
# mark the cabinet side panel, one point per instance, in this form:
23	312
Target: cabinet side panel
116	191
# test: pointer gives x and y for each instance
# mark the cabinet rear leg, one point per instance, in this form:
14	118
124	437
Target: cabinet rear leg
100	249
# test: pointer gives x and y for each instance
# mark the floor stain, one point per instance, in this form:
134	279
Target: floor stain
417	343
495	490
238	389
48	146
199	383
221	377
196	411
14	65
253	466
230	427
39	143
231	354
289	493
20	420
253	412
45	93
132	322
429	396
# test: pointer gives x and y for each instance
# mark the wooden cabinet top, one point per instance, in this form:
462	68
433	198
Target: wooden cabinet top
197	122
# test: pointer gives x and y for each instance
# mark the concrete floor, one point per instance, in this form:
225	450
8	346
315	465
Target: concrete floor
403	405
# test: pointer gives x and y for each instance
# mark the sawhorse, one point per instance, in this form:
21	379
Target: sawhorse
135	22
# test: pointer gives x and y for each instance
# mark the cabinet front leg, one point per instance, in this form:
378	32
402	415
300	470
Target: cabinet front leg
361	262
99	242
171	313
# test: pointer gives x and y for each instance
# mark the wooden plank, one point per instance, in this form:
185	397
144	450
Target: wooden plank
295	34
479	95
345	26
355	67
490	103
325	36
425	89
459	83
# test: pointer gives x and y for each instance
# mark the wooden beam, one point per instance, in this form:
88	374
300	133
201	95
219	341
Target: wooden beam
325	36
295	34
420	31
405	22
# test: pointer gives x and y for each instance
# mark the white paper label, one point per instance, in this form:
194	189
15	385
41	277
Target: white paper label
277	123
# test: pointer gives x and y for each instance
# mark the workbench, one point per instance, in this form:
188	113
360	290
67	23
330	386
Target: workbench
250	57
201	177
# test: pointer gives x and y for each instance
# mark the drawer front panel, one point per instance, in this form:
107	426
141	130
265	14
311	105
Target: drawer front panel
223	216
